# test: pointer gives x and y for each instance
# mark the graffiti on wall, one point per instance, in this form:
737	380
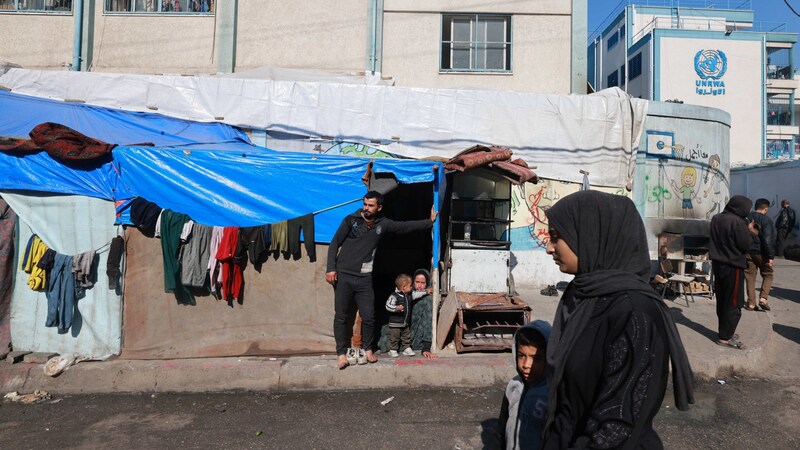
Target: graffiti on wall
682	181
355	149
529	205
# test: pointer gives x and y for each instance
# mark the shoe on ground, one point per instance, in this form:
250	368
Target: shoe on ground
352	356
393	354
408	352
362	357
764	305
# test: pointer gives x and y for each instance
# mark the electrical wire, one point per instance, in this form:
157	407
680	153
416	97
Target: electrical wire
790	7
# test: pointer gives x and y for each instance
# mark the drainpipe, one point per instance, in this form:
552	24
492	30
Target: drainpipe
77	45
376	36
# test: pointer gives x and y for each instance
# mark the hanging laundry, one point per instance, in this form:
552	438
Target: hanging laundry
82	269
214	272
195	254
33	254
267	232
280	237
46	261
144	213
157	228
115	252
306	223
61	294
232	257
171	228
253	240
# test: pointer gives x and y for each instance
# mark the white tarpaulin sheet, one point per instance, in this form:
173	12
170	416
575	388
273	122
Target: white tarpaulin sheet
69	225
560	134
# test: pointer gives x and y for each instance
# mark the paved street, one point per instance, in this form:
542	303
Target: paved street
739	414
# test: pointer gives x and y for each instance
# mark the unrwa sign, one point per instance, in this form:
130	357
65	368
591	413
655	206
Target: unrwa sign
710	66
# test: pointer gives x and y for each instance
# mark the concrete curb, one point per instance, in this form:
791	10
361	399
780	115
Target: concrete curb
258	374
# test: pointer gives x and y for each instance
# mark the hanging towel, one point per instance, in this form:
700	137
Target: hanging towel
115	252
61	294
306	223
195	256
82	267
171	228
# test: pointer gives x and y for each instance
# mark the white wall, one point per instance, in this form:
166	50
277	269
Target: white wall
774	182
743	87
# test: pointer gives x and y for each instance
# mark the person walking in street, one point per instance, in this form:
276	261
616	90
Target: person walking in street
349	270
613	338
760	256
731	236
784	224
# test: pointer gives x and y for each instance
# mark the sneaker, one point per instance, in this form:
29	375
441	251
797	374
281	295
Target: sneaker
362	356
408	352
393	353
352	356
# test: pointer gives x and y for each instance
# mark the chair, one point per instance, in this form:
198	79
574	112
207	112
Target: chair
669	278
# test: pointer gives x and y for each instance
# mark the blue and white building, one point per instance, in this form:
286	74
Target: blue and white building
708	53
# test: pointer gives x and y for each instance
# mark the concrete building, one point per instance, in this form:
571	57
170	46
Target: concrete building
518	45
711	55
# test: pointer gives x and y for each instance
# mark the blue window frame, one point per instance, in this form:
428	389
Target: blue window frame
612	79
622	75
635	66
160	6
622	32
476	43
47	6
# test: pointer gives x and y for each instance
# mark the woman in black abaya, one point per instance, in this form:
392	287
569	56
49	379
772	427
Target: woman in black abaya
612	337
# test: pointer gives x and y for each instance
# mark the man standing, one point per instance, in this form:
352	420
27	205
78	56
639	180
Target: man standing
730	240
784	225
760	256
349	269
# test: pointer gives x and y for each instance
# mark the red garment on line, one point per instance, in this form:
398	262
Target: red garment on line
232	279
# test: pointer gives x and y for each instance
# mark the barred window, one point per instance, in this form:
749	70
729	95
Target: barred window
54	6
476	43
160	6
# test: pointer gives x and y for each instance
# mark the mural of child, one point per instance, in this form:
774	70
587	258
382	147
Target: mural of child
715	186
686	190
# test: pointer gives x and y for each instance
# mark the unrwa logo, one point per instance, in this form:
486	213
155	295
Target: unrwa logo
710	64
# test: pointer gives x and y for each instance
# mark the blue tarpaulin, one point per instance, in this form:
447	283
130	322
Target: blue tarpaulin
208	171
21	113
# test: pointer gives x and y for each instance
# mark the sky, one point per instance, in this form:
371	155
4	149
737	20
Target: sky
765	11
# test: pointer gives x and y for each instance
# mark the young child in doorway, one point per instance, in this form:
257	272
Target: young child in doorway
524	410
399	307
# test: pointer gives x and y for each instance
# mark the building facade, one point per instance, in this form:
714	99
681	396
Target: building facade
714	56
518	45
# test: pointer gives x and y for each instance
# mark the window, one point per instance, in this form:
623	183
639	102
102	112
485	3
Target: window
160	6
635	66
612	41
36	5
476	43
622	32
612	80
622	75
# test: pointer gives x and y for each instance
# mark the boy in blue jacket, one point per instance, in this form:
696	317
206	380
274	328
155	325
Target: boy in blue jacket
524	410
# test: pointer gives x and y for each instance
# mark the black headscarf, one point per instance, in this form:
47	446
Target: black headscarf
607	234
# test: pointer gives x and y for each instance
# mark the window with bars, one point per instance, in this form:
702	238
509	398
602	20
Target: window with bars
160	6
54	6
476	43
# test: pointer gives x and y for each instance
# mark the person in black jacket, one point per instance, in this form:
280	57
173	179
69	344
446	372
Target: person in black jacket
349	270
784	224
613	338
399	307
760	256
731	236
